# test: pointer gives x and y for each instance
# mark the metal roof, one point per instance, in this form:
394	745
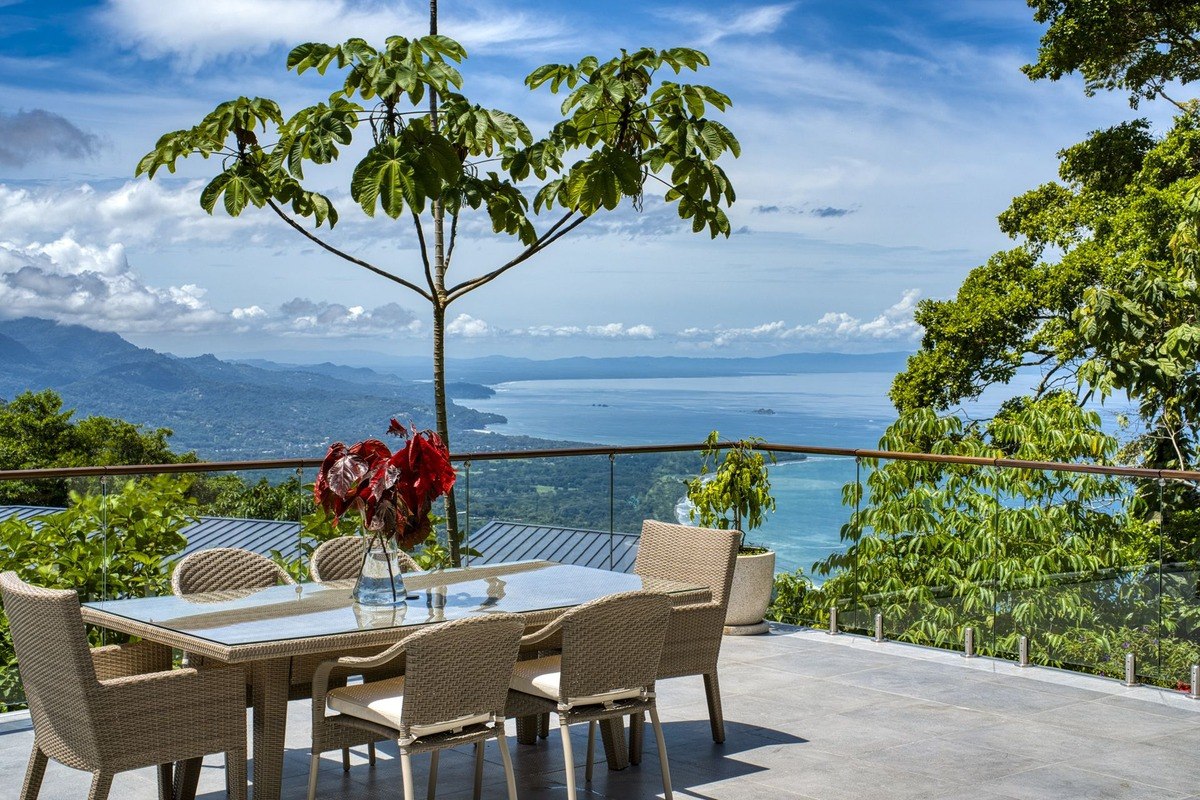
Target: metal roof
513	541
498	540
25	512
260	535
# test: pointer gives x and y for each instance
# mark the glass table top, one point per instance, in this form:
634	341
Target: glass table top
319	609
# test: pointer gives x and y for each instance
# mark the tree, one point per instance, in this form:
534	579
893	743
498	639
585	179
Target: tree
36	433
1098	293
1136	46
434	157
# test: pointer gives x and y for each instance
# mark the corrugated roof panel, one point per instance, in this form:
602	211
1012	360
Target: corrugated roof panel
509	541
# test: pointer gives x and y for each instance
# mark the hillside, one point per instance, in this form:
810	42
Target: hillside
222	410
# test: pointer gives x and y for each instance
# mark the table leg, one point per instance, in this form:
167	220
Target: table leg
270	691
612	733
187	776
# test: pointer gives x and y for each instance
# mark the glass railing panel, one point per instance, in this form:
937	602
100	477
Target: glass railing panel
647	486
922	557
1078	571
812	533
52	534
530	507
1179	593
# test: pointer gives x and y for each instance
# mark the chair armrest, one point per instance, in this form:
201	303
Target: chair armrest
351	665
541	634
115	661
182	692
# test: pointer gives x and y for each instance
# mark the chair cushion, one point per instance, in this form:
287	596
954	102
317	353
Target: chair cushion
382	702
541	677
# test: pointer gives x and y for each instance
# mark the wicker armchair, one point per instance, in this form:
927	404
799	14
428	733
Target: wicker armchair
92	711
452	693
704	556
611	649
342	558
222	569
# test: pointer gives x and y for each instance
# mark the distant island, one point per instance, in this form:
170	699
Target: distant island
763	411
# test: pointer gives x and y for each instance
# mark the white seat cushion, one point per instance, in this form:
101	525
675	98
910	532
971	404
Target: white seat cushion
541	677
382	702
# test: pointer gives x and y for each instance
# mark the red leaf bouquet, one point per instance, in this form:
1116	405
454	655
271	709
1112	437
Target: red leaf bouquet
392	492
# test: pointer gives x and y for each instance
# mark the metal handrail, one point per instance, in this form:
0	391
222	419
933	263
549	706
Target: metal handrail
604	450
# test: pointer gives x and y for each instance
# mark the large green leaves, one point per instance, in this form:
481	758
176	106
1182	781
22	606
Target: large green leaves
635	129
405	171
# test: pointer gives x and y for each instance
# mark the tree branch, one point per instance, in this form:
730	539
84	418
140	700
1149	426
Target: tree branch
453	238
424	252
344	255
549	237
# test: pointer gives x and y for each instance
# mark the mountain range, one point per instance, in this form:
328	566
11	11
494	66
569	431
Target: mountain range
260	409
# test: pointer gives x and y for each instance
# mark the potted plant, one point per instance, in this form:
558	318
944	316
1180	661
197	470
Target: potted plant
392	494
733	491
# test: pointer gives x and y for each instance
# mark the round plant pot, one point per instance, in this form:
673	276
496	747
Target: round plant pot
750	594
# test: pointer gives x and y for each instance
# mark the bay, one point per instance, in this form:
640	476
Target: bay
848	410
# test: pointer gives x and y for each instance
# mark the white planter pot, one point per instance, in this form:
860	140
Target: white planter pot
753	580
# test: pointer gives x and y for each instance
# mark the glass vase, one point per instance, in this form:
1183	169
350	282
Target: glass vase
380	581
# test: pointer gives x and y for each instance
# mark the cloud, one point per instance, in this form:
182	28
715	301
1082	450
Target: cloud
836	328
195	34
29	136
334	320
468	327
824	212
72	282
743	22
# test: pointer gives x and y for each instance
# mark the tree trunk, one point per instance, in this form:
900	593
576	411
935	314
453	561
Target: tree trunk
443	424
439	325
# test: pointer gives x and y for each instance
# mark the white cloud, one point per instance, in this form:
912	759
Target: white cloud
135	213
469	327
67	281
333	320
755	21
895	325
195	34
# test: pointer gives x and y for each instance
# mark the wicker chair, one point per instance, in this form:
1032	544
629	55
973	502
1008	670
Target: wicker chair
704	556
452	693
342	558
611	649
222	569
93	711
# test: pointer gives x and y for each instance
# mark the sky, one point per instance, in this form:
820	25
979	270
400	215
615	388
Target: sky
880	139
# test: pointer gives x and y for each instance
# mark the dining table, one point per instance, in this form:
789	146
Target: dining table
262	629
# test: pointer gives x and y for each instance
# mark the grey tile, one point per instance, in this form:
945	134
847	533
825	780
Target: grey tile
957	761
1108	721
1064	781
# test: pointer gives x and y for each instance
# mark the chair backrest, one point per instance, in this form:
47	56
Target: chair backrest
56	667
705	556
459	669
221	569
613	643
341	558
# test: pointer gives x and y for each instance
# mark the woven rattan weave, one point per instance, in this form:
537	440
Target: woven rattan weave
342	558
704	556
611	646
453	671
116	708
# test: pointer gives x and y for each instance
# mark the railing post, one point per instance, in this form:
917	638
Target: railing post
879	627
833	625
1194	688
1130	669
467	510
968	642
1023	652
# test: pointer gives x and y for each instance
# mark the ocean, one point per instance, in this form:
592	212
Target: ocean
831	409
